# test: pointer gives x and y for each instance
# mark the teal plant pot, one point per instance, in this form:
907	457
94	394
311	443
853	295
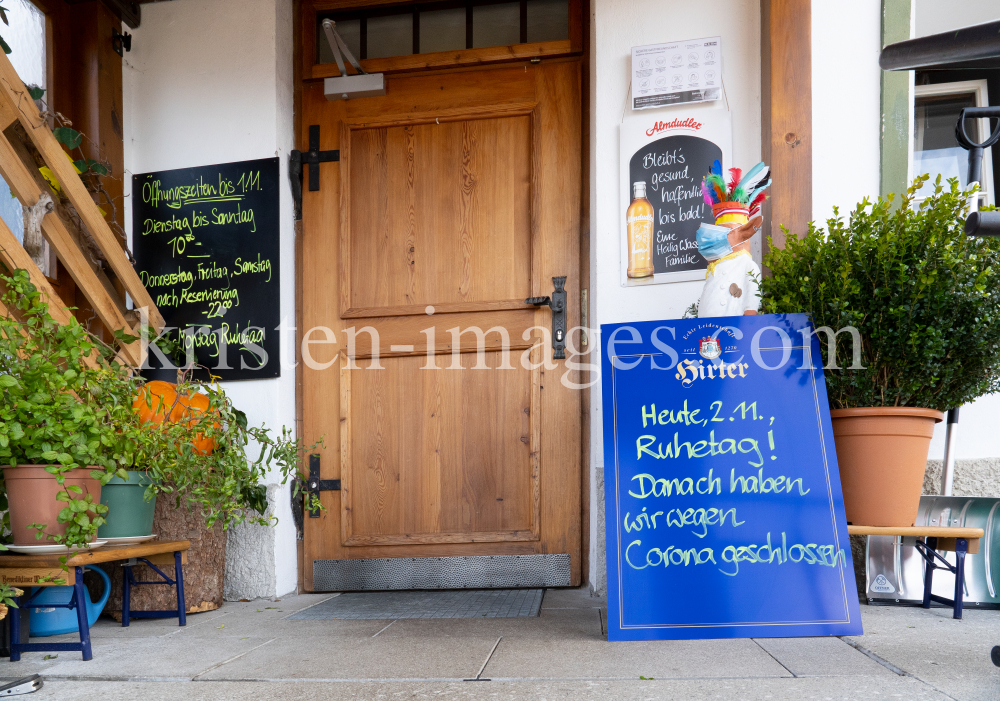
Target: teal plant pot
129	514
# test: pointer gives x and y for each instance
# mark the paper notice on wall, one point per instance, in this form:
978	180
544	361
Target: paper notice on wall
677	73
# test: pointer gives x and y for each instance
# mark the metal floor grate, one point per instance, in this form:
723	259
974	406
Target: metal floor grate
475	603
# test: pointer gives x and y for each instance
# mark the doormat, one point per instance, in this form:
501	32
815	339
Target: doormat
385	605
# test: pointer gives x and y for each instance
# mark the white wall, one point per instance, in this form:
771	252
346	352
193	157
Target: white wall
617	26
846	110
210	81
937	16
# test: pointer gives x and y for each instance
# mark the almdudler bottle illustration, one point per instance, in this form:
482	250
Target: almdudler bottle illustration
639	219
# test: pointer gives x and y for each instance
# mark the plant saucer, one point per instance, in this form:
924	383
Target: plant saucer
52	549
128	540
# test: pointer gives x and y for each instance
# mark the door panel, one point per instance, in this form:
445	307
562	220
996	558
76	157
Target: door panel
439	456
450	426
435	209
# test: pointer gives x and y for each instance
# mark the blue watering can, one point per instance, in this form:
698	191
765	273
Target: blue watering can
46	620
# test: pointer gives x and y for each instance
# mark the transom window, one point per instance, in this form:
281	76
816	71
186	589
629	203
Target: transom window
445	26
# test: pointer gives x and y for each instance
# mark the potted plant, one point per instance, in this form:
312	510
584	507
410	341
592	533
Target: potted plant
132	499
72	418
66	423
925	302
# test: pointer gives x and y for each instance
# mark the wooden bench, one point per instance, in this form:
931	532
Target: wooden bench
931	541
26	571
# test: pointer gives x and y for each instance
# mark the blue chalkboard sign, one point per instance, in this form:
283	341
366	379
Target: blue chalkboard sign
725	517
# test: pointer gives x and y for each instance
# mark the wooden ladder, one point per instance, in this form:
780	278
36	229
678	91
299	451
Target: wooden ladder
17	105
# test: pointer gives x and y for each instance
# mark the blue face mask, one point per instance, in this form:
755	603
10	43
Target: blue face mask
713	241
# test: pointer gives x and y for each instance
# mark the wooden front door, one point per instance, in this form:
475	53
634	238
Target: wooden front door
456	197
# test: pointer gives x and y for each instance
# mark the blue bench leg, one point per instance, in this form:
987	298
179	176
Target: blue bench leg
961	547
15	628
81	614
929	573
126	595
179	576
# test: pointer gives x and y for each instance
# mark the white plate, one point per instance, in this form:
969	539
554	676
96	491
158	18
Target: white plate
129	540
50	549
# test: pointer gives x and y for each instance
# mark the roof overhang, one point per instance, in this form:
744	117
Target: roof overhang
977	46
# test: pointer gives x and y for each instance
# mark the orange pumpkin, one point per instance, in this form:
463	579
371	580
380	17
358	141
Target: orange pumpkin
156	398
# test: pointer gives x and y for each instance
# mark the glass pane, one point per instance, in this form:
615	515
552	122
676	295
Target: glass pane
548	20
442	30
935	149
26	37
350	31
496	25
10	211
390	35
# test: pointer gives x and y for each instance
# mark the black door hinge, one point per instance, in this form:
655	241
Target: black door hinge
120	42
313	157
315	485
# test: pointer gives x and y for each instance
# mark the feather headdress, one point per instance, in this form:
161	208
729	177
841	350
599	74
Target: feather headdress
707	194
717	186
745	189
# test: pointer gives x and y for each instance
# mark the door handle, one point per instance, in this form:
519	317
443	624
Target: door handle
557	303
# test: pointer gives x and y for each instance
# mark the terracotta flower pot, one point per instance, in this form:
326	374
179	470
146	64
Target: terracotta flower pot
31	495
882	453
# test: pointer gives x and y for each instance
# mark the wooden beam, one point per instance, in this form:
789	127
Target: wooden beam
95	99
786	114
7	115
12	91
449	59
14	256
24	186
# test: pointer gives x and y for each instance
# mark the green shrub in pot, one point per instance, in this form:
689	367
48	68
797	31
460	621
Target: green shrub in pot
925	300
924	297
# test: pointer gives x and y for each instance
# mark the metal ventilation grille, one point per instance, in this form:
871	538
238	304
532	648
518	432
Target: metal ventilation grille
476	572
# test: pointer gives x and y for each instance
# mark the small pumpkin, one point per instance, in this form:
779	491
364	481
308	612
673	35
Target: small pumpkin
155	399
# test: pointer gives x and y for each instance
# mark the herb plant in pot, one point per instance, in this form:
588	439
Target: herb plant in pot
66	425
132	499
925	302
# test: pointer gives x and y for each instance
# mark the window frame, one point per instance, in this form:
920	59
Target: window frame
311	70
977	87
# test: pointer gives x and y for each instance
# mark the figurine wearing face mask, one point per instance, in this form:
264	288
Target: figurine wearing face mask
733	278
732	281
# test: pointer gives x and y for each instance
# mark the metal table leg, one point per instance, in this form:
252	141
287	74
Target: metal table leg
929	572
928	550
80	599
961	548
178	581
18	631
179	576
15	627
126	595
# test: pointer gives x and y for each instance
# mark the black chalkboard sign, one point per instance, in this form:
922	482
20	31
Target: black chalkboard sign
672	168
206	246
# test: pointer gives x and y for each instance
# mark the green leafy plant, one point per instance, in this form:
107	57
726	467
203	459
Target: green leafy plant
224	481
72	139
58	409
923	296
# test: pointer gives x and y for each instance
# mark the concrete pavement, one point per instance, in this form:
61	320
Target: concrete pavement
249	649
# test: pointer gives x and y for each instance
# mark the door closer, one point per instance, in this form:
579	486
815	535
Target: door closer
344	86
